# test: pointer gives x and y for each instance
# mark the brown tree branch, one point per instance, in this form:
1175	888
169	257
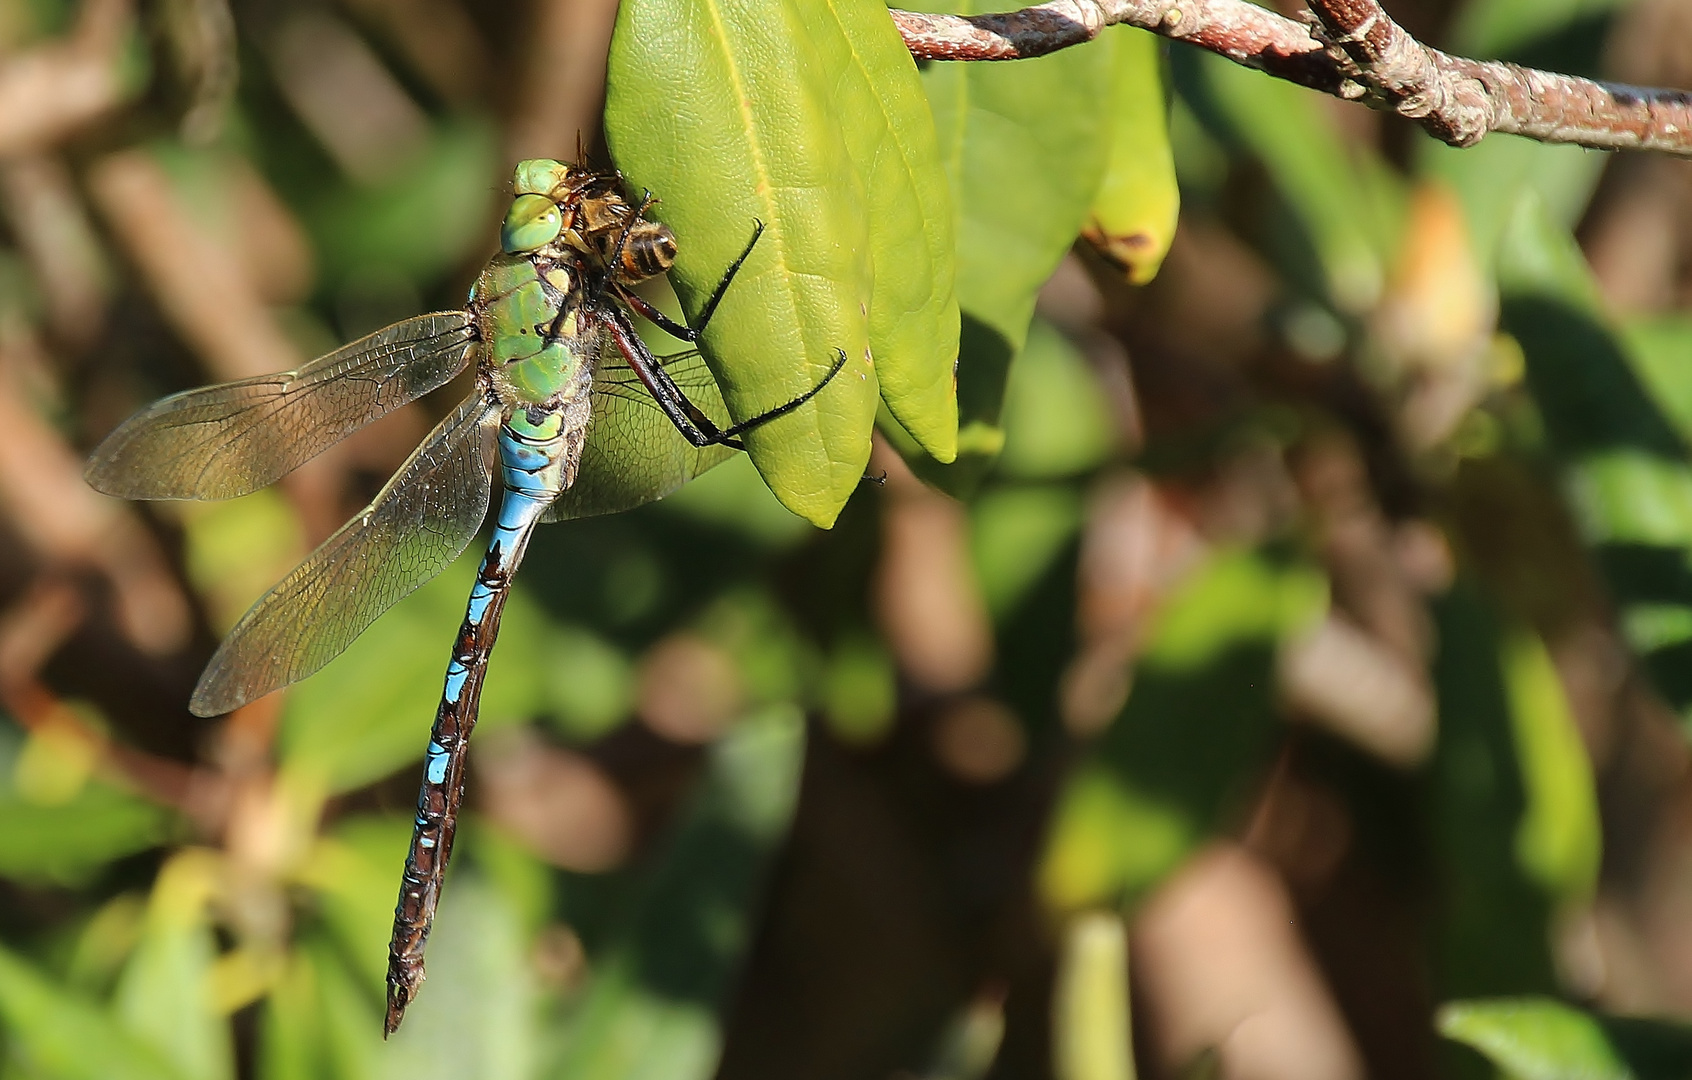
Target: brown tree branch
1348	48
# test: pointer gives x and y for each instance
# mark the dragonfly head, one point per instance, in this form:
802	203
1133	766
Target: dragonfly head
546	194
533	222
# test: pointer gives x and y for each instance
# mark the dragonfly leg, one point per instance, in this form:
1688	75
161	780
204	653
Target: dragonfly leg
687	417
694	425
678	330
782	410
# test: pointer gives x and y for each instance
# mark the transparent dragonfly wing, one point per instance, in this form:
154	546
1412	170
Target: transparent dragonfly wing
221	441
416	526
633	454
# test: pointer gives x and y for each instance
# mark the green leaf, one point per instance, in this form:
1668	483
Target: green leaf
164	994
652	1009
1108	837
587	682
723	109
1133	217
1056	417
1016	533
913	321
1626	468
1486	29
860	693
1238	598
476	1018
291	1043
476	1015
421	221
1659	348
732	498
1535	1038
1493	913
66	844
1559	840
329	1007
1201	712
1024	146
355	874
1491	177
62	1036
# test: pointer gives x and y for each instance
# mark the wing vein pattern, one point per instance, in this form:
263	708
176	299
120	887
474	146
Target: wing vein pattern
419	522
633	454
227	440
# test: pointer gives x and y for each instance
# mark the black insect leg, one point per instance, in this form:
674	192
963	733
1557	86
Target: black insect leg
687	417
782	410
678	330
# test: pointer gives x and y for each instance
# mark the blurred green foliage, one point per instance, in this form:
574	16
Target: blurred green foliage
881	800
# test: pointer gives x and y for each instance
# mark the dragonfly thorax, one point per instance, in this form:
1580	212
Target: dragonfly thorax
537	348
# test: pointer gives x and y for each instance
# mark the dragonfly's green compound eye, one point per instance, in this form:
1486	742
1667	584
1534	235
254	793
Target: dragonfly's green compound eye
532	222
539	176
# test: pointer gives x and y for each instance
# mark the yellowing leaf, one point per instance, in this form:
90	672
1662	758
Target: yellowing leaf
1133	217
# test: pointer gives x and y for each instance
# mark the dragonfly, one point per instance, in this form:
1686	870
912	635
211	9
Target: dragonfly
571	410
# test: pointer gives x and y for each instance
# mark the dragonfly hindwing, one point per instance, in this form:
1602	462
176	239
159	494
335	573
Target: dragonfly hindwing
416	526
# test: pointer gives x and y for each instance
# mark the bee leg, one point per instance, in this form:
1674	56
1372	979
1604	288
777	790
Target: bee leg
617	251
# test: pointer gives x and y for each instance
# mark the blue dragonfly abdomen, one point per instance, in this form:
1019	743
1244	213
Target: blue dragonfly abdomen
538	448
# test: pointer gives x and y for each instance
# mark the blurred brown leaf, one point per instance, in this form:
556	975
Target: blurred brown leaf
563	82
1350	683
558	803
47	216
978	740
344	94
1134	548
49	92
206	292
1221	964
66	523
689	689
926	596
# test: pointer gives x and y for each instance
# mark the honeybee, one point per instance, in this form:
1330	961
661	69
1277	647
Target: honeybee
598	221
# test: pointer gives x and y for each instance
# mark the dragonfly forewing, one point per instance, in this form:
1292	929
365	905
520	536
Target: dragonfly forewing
227	440
416	526
633	453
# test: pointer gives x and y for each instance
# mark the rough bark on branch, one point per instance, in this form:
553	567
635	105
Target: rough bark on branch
1348	48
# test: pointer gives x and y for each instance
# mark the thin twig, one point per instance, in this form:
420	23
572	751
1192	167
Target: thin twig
1349	48
1459	101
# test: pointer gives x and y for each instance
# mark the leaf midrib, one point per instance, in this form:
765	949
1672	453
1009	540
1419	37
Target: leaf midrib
760	167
